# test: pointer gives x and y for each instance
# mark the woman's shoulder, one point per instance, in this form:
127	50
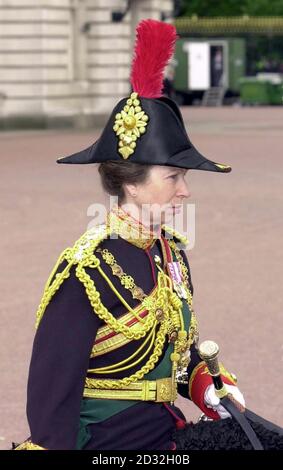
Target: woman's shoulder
82	252
86	245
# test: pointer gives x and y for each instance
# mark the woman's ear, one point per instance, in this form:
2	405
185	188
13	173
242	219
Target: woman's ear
130	190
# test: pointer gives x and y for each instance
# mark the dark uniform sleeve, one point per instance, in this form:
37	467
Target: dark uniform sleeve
58	367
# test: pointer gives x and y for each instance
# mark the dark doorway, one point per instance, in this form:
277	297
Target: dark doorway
216	65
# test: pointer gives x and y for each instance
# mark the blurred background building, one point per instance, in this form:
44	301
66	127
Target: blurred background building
229	59
67	62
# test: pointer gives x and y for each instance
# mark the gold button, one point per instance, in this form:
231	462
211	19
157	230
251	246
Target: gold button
129	122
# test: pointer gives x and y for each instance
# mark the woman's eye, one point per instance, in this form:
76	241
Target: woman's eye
173	176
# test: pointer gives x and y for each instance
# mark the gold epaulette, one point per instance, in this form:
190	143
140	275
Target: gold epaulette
180	237
81	254
88	242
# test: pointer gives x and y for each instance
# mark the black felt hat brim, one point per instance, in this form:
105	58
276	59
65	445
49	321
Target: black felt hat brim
190	158
83	157
165	141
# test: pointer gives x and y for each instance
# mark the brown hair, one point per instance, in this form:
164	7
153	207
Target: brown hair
114	174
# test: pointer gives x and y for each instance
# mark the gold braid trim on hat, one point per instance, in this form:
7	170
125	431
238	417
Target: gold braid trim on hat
130	124
222	166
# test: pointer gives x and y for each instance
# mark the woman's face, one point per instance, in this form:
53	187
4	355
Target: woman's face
161	196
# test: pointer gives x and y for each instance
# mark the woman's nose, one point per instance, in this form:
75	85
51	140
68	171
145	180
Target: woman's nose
183	190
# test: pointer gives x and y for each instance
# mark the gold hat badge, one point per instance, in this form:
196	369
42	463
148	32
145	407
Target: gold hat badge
129	125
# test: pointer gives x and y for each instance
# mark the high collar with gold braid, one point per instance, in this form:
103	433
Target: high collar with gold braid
130	229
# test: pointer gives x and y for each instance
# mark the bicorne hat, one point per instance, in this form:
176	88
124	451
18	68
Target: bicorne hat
146	127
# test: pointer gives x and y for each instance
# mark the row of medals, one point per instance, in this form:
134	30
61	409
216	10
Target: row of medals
175	273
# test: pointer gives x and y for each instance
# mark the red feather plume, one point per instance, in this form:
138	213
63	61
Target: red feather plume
155	44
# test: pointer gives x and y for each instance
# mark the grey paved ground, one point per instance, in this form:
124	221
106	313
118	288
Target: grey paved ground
236	262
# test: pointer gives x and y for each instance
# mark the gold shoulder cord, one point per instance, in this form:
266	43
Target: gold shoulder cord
81	255
175	330
157	313
166	310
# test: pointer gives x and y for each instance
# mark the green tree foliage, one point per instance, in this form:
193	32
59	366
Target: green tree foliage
213	8
264	7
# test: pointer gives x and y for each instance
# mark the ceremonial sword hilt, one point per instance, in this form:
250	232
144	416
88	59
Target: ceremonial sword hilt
208	351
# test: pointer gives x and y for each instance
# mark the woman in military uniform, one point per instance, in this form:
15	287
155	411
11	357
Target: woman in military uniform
116	335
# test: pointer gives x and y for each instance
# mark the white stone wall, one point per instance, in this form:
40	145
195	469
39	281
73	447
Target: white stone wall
51	65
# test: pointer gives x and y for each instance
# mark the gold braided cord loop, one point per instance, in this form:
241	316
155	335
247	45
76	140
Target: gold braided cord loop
50	291
157	352
64	255
120	366
163	301
103	313
82	251
171	308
